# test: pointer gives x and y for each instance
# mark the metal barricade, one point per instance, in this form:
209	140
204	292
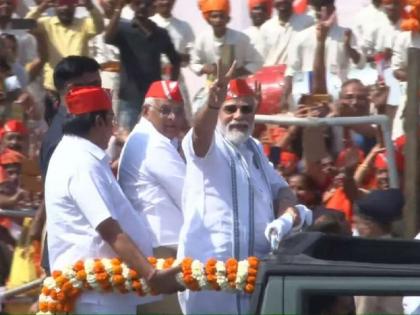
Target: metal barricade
381	120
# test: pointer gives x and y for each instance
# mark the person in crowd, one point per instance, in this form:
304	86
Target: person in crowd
139	58
66	35
152	171
374	215
222	42
229	191
259	12
279	31
13	135
182	37
106	55
78	180
27	45
287	164
338	45
368	17
70	71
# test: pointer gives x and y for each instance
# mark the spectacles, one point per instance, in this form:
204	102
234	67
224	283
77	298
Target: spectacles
165	110
231	109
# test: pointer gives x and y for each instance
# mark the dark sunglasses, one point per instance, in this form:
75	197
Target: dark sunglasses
231	109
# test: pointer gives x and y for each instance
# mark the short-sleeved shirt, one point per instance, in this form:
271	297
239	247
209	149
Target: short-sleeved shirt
151	174
80	193
140	58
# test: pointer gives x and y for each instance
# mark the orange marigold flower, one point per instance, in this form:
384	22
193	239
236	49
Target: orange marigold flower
133	274
168	263
60	307
53	294
101	277
43	306
117	269
117	279
67	287
61	296
231	277
98	267
56	274
45	291
52	307
79	265
116	261
251	279
136	285
81	275
152	260
212	261
249	288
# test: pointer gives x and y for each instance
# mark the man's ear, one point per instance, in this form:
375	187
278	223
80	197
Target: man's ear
99	121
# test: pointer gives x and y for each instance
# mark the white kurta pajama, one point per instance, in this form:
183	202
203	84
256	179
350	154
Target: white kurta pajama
151	174
277	37
80	193
227	205
337	61
208	50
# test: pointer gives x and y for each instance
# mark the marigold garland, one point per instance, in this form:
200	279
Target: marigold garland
60	291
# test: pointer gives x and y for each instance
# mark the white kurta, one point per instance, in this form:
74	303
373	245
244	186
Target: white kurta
151	174
80	193
378	37
256	39
208	49
227	205
278	36
337	61
367	18
181	33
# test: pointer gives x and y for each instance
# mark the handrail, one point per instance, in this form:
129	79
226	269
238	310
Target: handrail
23	213
22	289
381	120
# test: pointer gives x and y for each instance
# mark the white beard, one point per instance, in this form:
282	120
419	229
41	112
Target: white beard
233	135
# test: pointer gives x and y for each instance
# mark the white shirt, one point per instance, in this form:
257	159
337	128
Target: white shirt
302	52
368	17
277	37
80	193
181	33
227	205
101	51
208	50
151	174
404	41
27	45
378	37
256	39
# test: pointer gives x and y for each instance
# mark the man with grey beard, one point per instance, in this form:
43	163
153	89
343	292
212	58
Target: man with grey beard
232	195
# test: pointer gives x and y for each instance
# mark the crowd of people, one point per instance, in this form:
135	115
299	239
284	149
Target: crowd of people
132	165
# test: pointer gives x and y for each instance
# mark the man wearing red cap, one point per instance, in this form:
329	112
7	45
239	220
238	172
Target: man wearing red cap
151	172
278	32
12	135
88	216
259	12
229	191
221	42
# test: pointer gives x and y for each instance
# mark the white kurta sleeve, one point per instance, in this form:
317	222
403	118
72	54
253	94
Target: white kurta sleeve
253	60
91	192
399	56
294	57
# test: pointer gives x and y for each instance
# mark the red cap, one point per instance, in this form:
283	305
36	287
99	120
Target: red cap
341	158
87	99
288	157
14	126
238	88
300	6
167	90
10	156
254	3
381	161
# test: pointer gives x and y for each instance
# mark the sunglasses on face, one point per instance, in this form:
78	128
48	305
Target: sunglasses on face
245	109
